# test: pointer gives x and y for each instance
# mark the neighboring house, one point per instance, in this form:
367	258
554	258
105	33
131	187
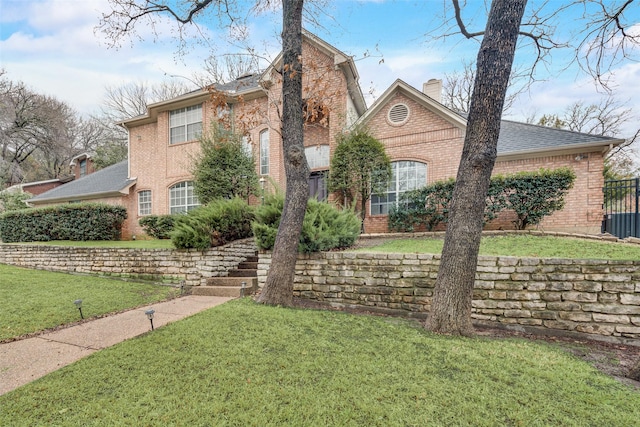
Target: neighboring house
110	185
82	165
422	137
38	187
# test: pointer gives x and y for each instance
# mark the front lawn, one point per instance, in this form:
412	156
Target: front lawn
242	364
522	246
34	300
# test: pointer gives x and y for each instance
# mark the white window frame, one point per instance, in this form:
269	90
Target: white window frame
406	175
264	152
185	124
144	202
182	197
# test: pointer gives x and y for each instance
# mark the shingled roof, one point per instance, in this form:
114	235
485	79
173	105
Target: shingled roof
108	182
520	138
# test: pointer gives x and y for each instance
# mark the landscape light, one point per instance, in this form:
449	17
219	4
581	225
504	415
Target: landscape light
149	314
78	304
242	288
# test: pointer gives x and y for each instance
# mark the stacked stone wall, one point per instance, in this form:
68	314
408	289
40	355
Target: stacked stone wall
160	265
593	297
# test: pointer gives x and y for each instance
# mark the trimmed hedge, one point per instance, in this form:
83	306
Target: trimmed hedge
216	224
531	195
325	227
82	221
157	226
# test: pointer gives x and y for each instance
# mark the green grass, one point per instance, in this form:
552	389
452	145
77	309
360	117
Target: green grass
523	246
34	300
129	244
242	364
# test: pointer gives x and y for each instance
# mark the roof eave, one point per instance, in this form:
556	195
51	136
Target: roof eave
124	191
602	146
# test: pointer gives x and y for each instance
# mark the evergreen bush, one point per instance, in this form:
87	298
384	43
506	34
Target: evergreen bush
531	195
215	224
157	226
325	227
82	221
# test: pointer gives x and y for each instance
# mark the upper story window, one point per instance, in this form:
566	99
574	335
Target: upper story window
405	176
185	124
144	202
83	167
246	146
264	152
318	156
182	197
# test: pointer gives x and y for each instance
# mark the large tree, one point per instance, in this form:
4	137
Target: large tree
120	22
38	134
603	41
278	288
451	303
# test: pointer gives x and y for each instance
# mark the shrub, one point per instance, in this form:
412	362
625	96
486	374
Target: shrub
157	226
531	195
325	227
359	168
82	221
223	169
534	195
215	224
265	226
427	206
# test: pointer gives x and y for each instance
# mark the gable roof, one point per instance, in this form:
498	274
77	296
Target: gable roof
400	86
340	60
112	181
252	85
516	140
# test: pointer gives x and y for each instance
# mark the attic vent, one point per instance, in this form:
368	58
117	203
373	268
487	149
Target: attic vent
398	114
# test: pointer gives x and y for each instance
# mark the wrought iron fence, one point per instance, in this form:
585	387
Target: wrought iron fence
621	217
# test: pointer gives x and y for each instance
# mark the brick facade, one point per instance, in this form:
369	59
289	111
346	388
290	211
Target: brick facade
431	135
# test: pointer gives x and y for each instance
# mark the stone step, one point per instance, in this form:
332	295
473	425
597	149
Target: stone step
248	265
231	281
252	259
221	291
243	273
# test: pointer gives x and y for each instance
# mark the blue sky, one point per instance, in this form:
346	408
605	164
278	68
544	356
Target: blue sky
53	47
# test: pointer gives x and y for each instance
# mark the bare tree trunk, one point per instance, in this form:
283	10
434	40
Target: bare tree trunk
278	289
451	303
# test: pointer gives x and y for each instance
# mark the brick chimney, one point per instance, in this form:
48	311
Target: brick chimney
433	89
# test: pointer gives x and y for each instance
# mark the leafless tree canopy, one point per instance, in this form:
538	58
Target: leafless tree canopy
458	87
131	99
40	135
603	38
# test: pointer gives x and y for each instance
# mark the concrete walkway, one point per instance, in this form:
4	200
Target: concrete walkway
27	360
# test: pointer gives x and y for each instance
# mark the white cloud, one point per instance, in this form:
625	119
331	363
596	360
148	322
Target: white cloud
55	15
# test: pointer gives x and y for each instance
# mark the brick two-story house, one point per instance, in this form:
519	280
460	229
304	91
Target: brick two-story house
422	137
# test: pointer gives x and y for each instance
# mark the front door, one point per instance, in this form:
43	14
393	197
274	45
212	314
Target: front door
317	186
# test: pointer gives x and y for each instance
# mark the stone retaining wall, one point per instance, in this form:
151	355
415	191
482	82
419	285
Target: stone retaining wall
166	265
599	298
